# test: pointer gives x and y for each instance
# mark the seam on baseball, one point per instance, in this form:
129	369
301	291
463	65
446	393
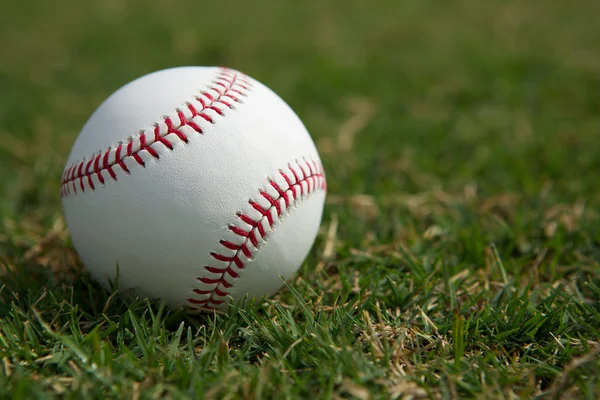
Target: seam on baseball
292	184
190	118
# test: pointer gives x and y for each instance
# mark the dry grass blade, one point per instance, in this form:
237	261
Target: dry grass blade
563	381
363	111
330	241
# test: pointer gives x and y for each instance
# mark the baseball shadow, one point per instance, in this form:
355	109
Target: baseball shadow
52	281
49	281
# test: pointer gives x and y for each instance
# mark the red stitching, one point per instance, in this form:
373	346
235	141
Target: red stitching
253	239
108	167
227	272
182	120
258	207
232	98
229	245
246	250
221	84
261	230
201	100
276	187
192	109
215	109
194	126
227	84
138	159
89	176
206	117
87	167
205	302
80	174
177	132
220	281
237	92
111	172
246	219
238	231
294	173
162	139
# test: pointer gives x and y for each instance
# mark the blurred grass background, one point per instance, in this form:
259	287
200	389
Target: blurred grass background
463	131
502	93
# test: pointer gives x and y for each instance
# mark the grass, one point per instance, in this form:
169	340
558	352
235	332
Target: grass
460	247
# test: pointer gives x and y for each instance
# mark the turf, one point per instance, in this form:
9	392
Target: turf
460	245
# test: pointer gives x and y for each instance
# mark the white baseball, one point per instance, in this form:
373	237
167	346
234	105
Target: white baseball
199	185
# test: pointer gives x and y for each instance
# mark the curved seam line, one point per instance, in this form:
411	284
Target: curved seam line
236	84
315	180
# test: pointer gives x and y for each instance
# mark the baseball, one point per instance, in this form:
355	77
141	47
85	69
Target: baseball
196	185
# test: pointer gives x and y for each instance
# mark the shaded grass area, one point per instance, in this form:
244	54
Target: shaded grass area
459	252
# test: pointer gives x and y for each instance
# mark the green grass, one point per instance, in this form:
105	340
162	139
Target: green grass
460	247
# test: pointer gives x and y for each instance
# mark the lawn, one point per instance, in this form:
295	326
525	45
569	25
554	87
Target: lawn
459	253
